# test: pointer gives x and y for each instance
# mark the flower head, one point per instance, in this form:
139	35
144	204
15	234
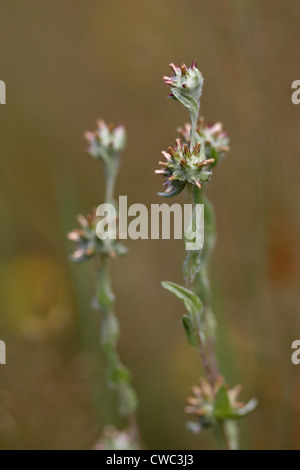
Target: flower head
88	244
113	439
183	166
212	136
215	403
186	85
106	141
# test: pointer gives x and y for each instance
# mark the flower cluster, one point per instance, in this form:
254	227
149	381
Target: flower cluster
183	166
88	244
201	146
212	136
106	140
186	85
113	439
216	403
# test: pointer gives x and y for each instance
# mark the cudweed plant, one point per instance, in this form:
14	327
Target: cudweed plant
189	165
105	145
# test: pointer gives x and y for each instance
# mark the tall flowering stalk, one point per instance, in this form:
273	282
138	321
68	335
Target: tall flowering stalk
106	145
189	165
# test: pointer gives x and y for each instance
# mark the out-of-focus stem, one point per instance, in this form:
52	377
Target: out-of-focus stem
110	184
118	376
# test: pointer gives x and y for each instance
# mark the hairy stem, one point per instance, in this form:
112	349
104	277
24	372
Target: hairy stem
201	287
194	119
202	284
118	376
110	184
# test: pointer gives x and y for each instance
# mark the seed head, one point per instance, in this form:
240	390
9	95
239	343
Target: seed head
186	85
209	404
113	439
106	141
88	245
183	166
212	136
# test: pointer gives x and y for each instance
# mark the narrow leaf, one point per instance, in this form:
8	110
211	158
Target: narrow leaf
250	406
190	330
177	190
187	101
191	301
223	409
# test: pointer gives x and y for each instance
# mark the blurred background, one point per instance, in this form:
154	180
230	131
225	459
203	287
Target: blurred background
65	65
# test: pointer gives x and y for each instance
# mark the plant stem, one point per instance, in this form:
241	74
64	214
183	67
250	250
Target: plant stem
110	185
118	376
196	279
222	436
204	359
201	287
194	119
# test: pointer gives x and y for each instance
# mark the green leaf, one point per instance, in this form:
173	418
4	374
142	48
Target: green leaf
117	373
194	306
187	101
223	409
191	331
213	154
191	301
178	188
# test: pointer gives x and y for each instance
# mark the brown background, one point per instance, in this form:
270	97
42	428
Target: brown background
66	64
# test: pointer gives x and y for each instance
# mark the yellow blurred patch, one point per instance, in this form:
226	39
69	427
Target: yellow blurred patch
182	368
34	296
